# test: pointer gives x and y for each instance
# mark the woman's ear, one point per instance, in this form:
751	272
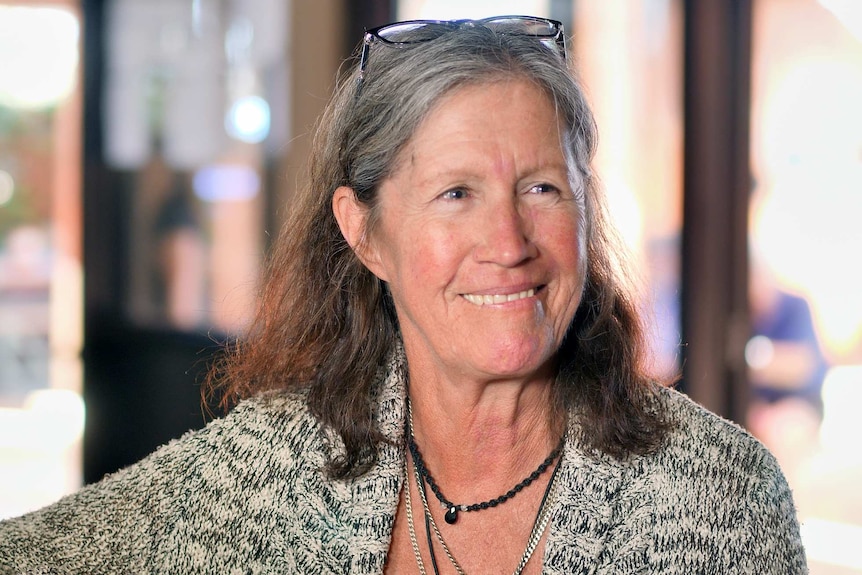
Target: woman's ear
352	218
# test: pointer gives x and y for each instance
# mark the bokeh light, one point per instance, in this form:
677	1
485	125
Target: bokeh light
38	56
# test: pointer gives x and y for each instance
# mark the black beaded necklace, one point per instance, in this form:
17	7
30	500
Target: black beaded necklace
452	509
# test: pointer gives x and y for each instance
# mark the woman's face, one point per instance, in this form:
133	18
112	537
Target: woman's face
479	236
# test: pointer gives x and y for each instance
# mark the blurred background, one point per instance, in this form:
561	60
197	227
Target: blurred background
148	148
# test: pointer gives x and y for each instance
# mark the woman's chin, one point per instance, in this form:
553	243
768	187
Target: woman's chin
525	361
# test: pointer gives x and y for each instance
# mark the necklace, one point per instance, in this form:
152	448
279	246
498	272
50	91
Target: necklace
409	504
452	509
543	516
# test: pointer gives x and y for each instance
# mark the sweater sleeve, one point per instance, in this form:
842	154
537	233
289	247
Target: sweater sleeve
714	501
222	499
121	523
774	545
106	527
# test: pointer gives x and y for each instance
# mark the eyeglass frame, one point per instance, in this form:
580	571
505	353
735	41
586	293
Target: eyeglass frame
373	34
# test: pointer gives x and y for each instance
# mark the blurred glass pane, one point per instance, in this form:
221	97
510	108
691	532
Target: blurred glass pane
805	356
629	55
41	412
194	112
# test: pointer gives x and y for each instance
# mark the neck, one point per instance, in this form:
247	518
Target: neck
478	438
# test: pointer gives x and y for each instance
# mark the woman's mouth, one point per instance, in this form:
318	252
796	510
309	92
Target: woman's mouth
491	299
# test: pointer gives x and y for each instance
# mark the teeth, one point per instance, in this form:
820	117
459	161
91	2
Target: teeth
499	298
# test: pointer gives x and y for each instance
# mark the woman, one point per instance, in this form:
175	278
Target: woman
445	374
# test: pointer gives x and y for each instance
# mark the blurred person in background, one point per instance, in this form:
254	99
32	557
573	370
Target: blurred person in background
447	370
786	368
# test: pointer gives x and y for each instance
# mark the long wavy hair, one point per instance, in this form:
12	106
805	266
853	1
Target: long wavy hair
325	324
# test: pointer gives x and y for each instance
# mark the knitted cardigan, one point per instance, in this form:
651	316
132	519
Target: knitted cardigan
247	494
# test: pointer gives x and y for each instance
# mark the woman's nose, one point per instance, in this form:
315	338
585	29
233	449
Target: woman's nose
505	233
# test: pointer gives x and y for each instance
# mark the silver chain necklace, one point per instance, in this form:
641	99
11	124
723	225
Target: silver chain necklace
410	526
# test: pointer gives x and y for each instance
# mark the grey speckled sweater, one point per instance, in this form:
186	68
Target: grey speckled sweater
246	495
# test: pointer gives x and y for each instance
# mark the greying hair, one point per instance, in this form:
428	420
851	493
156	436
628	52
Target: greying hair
326	324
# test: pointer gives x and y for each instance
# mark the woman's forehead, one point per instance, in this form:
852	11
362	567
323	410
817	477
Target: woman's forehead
471	114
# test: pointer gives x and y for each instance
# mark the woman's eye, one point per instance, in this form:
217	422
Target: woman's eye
454	194
542	189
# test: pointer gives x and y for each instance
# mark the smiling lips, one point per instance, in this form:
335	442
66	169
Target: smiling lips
491	299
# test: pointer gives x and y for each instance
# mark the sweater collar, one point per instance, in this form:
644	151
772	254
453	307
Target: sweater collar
391	395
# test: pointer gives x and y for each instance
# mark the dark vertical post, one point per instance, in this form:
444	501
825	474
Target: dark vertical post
564	11
364	14
715	212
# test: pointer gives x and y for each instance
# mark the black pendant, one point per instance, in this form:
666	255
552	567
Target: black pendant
451	515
